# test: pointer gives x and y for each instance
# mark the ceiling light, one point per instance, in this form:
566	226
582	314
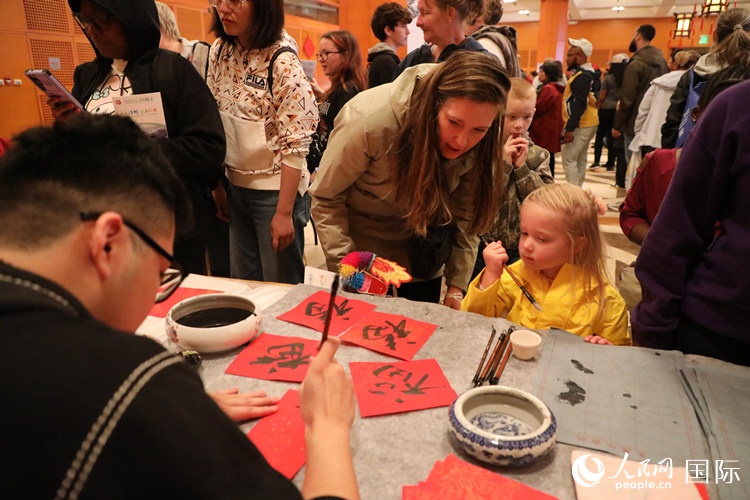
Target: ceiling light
509	1
683	24
618	8
524	12
713	7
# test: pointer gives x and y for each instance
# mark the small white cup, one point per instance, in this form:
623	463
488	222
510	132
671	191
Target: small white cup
525	343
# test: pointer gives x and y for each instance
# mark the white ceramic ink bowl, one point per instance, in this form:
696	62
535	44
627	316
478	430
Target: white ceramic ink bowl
525	343
502	426
213	323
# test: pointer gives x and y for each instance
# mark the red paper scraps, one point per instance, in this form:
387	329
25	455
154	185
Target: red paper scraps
455	479
280	437
390	334
161	309
311	312
387	388
275	357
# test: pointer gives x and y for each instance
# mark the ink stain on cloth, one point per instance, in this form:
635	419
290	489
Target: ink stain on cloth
579	366
573	396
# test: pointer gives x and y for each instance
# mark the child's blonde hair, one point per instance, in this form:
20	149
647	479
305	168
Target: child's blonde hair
521	89
580	218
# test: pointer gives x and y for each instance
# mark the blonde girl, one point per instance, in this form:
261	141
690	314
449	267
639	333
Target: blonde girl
562	266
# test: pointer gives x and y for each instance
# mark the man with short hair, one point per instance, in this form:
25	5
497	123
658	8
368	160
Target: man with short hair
646	64
88	211
389	25
501	41
579	111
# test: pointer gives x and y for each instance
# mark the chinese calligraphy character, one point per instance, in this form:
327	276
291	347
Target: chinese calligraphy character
286	356
622	470
389	332
319	309
726	474
398	382
696	471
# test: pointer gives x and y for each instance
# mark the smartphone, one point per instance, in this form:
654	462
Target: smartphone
51	86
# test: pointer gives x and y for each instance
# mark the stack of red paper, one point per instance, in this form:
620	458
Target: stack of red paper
454	478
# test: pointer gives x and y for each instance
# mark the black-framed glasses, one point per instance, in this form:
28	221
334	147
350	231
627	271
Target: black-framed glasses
169	279
233	4
323	55
101	20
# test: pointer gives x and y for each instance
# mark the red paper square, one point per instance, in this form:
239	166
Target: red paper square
390	334
398	387
456	479
311	312
275	357
161	309
280	437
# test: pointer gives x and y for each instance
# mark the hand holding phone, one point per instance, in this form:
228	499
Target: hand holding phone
52	87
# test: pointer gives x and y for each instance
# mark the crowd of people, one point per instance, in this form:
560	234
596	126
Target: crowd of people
442	162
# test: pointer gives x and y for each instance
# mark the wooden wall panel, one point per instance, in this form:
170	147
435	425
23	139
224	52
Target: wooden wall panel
608	37
11	17
19	107
50	16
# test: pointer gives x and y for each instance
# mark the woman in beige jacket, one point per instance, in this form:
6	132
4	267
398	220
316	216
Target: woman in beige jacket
414	158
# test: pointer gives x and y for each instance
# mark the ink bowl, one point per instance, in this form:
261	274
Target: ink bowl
525	344
213	323
502	425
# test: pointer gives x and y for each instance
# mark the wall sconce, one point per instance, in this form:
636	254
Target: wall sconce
713	7
683	24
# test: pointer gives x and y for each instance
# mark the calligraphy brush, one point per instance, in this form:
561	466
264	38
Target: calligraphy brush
487	240
486	371
501	349
503	359
523	288
475	380
329	312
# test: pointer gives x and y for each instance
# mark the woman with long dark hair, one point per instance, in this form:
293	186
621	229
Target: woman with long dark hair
417	157
341	60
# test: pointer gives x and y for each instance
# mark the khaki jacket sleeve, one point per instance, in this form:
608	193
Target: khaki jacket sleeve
345	159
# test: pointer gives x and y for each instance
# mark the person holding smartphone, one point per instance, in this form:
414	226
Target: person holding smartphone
125	37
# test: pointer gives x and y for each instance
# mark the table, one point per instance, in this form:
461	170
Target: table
392	451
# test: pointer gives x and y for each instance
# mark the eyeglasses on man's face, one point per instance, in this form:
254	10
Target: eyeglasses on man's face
101	21
323	54
232	4
169	279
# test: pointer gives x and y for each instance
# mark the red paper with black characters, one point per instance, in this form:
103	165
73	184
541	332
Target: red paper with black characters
401	386
275	357
280	437
390	334
455	479
311	312
161	309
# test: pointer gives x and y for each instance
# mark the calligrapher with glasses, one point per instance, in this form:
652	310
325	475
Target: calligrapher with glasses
269	115
341	60
125	37
91	410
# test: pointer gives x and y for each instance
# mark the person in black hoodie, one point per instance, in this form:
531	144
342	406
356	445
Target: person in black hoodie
125	36
389	25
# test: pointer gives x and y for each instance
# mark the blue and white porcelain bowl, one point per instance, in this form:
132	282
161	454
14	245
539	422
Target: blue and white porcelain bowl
502	426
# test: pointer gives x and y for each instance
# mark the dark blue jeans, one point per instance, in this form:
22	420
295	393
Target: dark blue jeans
251	252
